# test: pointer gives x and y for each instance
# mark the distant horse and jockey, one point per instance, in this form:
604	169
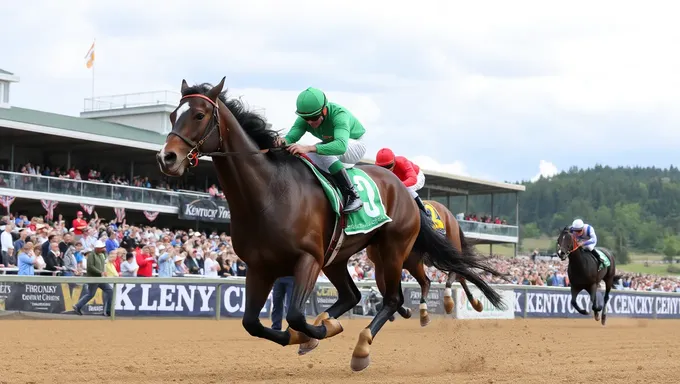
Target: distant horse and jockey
294	217
588	266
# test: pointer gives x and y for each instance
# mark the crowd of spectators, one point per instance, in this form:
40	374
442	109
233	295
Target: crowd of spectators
35	246
96	176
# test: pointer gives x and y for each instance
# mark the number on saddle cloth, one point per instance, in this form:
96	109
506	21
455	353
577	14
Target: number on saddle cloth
373	214
437	222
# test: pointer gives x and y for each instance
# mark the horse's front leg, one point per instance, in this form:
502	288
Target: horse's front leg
258	286
574	303
348	297
306	273
593	300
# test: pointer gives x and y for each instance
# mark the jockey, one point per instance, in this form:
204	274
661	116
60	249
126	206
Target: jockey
409	173
341	140
585	236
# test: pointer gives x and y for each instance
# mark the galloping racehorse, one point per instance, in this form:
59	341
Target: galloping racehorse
442	220
285	222
584	275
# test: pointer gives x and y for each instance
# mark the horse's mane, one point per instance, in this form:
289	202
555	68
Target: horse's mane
252	122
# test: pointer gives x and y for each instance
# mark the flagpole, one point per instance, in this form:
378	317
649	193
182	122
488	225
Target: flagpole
93	65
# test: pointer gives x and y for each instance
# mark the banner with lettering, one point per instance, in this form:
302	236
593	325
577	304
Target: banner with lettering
204	209
234	301
464	310
153	299
47	298
435	300
554	303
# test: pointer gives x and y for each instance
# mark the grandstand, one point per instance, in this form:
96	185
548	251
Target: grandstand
118	135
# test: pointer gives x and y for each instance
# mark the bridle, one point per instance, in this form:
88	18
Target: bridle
213	124
573	242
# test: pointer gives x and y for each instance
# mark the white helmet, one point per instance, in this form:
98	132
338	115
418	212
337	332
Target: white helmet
577	224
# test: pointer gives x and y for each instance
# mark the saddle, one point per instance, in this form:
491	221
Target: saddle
599	258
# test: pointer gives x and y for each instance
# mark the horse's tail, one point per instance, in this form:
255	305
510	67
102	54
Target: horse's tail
439	251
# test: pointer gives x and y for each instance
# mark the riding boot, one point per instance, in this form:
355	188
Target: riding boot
350	196
419	201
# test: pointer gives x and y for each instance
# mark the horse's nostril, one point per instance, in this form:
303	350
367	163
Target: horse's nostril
169	157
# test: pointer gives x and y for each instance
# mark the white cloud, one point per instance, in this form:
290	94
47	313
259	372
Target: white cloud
546	169
428	163
452	80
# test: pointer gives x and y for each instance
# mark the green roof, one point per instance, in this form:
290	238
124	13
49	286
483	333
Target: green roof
79	124
2	71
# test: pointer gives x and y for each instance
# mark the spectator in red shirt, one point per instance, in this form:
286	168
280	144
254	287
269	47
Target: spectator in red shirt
145	262
79	225
409	173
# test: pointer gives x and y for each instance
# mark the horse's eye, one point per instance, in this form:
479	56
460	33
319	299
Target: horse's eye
199	116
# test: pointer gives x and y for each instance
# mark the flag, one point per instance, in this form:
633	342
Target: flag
6	201
88	208
90	56
49	206
151	216
120	214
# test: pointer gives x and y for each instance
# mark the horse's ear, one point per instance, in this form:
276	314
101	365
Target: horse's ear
184	85
216	90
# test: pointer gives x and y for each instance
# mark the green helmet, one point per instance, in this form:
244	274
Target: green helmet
310	102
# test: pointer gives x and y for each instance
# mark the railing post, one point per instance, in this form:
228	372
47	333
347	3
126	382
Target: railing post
113	302
218	302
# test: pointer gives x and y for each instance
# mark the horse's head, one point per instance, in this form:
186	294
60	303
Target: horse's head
195	130
566	243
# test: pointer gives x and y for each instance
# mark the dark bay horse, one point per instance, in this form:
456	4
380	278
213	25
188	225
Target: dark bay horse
282	223
444	219
584	275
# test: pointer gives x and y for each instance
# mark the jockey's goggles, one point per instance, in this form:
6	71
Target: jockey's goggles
388	166
312	118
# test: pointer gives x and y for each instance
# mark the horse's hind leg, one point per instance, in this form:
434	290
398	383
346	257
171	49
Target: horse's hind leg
348	297
476	304
392	257
608	286
306	273
449	303
405	312
417	269
258	286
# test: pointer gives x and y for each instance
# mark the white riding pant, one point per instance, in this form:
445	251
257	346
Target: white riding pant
420	182
589	247
356	149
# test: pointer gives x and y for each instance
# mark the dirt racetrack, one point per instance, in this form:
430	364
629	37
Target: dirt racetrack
208	351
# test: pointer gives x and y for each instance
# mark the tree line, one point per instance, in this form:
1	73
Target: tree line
631	208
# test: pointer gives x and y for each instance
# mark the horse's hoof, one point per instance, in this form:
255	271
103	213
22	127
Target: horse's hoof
604	320
425	320
596	315
407	313
360	363
308	346
362	351
477	305
448	304
391	318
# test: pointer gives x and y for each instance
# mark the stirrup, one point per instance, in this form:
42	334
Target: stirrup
348	208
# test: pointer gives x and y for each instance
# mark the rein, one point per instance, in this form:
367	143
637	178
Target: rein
214	124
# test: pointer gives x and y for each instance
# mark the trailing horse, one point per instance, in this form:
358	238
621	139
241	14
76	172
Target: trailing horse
286	219
442	221
583	273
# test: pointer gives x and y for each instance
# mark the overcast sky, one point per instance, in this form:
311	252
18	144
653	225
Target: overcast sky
500	90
